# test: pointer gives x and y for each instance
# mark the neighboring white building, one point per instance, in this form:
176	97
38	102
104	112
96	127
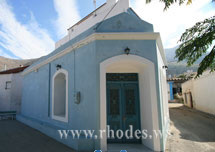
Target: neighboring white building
200	93
11	89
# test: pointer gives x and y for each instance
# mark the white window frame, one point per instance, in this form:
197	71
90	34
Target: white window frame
64	119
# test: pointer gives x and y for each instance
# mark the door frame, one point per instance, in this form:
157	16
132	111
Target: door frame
150	119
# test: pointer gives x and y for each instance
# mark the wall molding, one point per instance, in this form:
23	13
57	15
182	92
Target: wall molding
102	36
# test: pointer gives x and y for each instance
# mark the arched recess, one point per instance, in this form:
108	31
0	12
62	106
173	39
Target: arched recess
147	90
60	96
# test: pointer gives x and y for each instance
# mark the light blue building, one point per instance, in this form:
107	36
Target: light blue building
108	70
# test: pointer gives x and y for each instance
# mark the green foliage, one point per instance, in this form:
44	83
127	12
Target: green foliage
186	76
196	41
175	68
170	2
183	76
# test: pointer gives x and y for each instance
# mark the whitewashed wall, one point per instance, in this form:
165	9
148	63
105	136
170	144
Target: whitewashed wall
164	95
168	90
16	92
203	92
5	93
10	99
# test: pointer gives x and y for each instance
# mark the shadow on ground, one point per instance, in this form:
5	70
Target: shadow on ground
17	137
192	124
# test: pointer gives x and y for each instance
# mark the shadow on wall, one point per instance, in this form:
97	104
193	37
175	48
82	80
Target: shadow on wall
192	124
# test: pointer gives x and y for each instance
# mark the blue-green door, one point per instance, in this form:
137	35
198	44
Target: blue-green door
123	105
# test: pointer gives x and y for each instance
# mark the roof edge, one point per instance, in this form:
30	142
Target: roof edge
14	70
86	17
103	36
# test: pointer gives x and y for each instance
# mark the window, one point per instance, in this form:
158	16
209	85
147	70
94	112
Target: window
60	96
8	85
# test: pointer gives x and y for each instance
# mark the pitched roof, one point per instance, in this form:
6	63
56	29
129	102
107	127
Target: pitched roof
175	79
15	70
86	17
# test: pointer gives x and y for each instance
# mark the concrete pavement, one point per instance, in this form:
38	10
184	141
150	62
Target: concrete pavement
17	137
191	130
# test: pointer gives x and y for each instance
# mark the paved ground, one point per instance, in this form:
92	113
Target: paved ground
128	148
17	137
192	131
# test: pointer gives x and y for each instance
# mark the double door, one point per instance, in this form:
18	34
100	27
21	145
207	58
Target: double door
123	108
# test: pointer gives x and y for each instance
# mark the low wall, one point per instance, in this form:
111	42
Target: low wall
202	92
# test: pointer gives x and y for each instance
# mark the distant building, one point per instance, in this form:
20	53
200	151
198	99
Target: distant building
11	89
174	86
200	93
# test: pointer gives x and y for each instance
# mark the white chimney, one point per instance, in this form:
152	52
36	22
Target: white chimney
111	1
124	4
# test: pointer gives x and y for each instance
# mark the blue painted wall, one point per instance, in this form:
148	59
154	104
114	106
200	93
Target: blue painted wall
83	69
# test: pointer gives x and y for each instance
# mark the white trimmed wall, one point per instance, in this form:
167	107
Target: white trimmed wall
60	95
203	92
147	88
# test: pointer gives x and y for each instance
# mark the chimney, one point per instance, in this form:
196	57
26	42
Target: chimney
111	2
124	4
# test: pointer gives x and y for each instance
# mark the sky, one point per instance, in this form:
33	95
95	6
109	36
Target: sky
30	28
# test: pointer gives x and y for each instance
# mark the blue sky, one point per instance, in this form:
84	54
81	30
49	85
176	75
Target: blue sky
30	28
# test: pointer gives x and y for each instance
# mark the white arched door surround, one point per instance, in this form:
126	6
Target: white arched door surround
60	95
147	90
